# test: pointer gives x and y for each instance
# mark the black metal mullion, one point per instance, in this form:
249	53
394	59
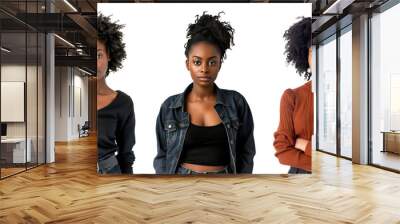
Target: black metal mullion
385	168
338	96
317	96
60	86
37	91
73	92
45	95
26	87
0	96
69	93
369	90
45	89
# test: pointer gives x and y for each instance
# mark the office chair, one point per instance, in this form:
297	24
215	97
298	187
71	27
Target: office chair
84	130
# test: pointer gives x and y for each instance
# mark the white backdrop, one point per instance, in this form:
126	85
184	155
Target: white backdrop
155	35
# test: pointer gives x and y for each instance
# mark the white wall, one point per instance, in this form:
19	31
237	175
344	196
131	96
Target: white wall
34	124
12	73
69	82
61	103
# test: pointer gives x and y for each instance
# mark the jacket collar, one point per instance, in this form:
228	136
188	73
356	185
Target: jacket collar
179	101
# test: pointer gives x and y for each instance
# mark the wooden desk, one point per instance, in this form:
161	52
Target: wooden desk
14	150
391	141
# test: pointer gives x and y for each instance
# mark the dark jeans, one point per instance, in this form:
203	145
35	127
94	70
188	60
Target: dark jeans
294	170
183	170
108	166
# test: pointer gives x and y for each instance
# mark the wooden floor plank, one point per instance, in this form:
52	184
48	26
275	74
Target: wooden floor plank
70	191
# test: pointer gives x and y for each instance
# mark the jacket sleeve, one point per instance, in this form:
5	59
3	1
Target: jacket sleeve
246	149
285	139
160	159
125	141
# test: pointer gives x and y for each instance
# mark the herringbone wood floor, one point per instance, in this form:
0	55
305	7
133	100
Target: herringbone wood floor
70	191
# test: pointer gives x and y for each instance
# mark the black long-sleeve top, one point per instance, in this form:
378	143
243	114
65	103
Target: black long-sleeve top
116	131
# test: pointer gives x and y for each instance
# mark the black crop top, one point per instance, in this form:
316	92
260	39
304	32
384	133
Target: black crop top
206	146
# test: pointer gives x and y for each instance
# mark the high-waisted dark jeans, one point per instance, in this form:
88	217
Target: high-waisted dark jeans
183	170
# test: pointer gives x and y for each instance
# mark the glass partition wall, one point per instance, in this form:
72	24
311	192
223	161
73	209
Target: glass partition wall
13	109
334	89
334	94
385	89
22	77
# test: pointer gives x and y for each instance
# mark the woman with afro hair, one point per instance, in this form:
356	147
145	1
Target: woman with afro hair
205	129
293	137
115	114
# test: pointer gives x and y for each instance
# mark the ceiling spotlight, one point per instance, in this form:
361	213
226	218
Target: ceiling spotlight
79	51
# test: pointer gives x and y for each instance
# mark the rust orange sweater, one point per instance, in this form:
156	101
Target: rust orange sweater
296	121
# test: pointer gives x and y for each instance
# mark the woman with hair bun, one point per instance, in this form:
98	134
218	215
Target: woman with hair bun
205	129
293	137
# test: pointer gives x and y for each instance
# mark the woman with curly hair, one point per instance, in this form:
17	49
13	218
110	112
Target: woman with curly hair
205	129
293	137
115	114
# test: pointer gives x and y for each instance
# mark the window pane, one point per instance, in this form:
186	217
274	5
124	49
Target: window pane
327	96
345	94
385	87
